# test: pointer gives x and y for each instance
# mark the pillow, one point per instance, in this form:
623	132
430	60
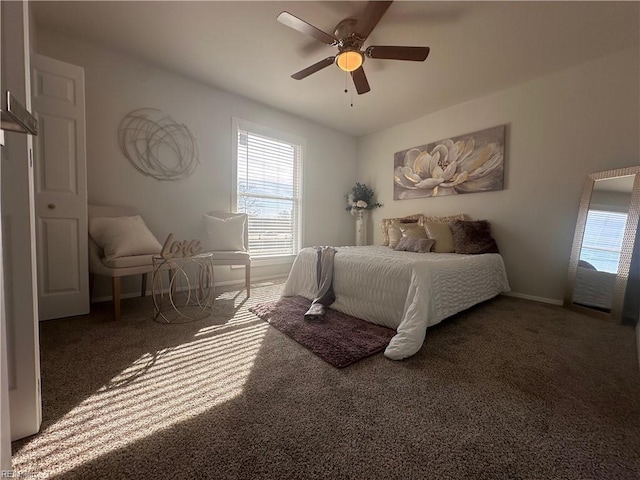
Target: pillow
473	237
441	233
447	219
226	234
387	223
123	236
585	264
413	230
418	245
395	232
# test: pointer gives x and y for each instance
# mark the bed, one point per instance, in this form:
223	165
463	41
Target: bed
405	291
594	288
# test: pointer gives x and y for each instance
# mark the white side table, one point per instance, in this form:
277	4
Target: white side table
188	293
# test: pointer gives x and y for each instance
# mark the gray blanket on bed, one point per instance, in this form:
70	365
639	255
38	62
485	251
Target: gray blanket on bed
324	278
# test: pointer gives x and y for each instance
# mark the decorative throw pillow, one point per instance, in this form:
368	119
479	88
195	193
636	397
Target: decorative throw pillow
413	230
441	233
224	234
418	245
395	232
585	264
446	219
473	237
388	223
123	236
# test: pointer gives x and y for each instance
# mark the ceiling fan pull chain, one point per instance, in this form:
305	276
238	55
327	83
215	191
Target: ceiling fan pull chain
346	86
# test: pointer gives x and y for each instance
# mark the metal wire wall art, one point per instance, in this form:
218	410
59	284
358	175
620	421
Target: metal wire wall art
156	145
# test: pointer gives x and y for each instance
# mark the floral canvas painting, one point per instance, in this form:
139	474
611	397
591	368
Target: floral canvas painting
465	164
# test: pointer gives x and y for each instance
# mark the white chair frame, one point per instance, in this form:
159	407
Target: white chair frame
229	258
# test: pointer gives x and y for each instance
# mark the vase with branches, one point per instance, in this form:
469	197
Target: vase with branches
359	202
361	198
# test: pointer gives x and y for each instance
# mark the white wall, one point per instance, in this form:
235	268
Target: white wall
559	129
117	84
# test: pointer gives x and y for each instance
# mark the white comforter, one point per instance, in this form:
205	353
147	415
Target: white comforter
405	291
594	288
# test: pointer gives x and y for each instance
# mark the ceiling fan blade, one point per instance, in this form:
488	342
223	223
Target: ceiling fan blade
313	68
294	22
370	18
360	81
416	54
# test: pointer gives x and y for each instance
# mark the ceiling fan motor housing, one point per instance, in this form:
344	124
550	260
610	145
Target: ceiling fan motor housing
345	29
349	44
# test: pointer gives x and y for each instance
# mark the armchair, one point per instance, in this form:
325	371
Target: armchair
119	247
227	237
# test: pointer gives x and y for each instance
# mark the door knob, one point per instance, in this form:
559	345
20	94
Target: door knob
51	206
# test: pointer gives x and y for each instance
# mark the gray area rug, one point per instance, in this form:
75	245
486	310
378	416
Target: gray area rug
339	339
510	389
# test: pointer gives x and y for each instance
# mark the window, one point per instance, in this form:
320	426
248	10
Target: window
602	241
268	180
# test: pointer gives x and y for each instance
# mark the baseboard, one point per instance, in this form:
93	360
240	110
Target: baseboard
217	284
551	301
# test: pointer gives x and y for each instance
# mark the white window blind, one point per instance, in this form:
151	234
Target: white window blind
602	241
268	191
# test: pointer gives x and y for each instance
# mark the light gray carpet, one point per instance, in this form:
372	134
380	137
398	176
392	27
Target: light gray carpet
507	390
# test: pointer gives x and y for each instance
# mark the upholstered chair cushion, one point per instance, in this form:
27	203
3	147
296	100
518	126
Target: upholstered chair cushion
123	237
224	234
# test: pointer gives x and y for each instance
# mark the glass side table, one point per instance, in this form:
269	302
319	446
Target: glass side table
187	293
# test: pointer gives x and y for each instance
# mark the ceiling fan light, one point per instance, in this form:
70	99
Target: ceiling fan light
349	60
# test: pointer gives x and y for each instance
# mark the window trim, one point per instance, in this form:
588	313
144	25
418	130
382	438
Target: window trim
238	123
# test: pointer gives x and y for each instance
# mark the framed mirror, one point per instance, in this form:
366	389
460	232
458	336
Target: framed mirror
604	267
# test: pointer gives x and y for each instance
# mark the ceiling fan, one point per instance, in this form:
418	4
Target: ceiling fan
349	37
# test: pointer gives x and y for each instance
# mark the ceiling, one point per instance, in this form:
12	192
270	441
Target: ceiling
476	48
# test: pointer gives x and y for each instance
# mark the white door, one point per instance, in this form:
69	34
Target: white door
5	416
18	239
60	188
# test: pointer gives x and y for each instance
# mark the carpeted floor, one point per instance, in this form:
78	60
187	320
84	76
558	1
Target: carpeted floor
510	389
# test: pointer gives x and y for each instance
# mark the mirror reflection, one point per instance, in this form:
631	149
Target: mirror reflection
602	241
604	268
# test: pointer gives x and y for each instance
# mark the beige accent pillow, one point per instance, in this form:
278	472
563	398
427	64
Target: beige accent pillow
417	245
224	234
123	236
413	230
441	233
395	232
388	223
447	219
